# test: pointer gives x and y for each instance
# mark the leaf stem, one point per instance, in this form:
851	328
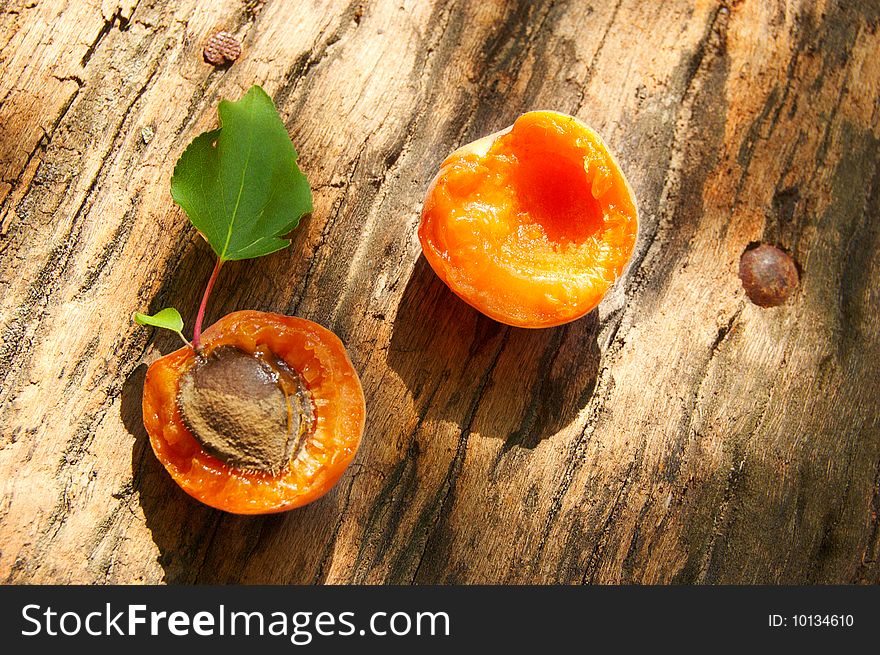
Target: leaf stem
197	329
183	338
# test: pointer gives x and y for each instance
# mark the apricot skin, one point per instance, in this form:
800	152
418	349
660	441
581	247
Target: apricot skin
531	225
323	364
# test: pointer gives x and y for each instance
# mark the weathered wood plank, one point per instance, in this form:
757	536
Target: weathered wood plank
676	434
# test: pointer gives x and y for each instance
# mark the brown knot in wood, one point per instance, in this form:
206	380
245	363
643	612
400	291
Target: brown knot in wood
769	275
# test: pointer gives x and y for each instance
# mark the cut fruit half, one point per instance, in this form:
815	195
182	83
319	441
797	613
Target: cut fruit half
264	419
531	225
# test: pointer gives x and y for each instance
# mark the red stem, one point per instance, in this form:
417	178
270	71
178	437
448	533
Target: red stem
197	330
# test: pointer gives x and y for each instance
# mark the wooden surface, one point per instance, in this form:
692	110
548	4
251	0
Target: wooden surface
676	434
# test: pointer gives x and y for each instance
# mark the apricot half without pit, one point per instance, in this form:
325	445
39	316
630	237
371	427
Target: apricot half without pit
531	225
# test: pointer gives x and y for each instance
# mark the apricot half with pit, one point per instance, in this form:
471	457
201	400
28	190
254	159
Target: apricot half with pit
531	225
264	418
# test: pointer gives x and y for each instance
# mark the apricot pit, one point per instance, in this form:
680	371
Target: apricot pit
250	411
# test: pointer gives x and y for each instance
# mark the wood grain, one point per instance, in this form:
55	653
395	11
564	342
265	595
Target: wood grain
676	434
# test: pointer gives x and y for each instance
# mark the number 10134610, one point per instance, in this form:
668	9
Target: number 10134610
811	621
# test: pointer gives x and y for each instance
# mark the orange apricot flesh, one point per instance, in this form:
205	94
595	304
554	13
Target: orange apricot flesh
321	362
531	225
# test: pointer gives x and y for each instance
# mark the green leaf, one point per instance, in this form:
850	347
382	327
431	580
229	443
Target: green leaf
168	318
240	185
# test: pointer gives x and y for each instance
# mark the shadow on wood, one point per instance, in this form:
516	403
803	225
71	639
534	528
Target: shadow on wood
178	523
532	383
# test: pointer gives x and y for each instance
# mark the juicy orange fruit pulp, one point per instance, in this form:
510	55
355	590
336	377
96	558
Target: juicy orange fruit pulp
531	225
319	357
